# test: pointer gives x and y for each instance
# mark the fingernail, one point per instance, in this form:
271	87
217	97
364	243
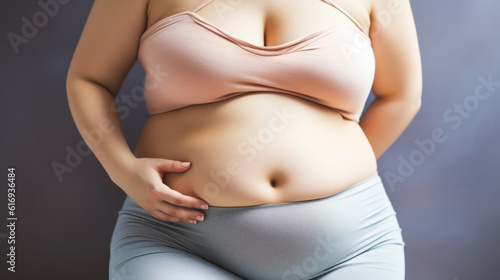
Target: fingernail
204	206
184	164
192	222
200	218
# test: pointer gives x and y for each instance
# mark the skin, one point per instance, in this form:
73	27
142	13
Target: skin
152	175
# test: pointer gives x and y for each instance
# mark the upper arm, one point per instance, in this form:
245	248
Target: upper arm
108	45
398	71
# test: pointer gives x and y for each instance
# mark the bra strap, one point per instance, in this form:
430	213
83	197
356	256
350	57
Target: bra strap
201	5
348	15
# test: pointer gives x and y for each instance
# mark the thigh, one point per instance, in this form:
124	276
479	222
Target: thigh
384	262
173	264
143	248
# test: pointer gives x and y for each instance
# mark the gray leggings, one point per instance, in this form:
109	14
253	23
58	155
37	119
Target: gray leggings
352	235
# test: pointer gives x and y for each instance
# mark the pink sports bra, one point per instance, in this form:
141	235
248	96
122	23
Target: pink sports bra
187	60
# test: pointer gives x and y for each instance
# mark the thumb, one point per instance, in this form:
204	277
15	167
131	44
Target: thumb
168	165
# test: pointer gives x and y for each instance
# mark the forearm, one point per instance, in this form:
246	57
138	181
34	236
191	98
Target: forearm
92	106
386	119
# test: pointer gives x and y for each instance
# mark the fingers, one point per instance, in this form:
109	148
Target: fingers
168	165
176	198
189	218
171	205
161	206
172	213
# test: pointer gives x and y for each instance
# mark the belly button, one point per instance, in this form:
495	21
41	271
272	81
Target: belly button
273	183
277	178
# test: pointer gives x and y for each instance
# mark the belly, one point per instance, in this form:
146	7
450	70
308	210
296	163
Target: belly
261	148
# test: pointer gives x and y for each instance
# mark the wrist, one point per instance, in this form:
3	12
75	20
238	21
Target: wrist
119	164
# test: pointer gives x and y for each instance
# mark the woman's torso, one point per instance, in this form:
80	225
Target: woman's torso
258	148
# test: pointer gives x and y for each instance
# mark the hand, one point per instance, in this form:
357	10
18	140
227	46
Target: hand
141	180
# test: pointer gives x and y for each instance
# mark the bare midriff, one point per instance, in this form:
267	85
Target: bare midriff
261	148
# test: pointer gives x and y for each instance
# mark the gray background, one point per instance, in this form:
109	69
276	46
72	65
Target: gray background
448	207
